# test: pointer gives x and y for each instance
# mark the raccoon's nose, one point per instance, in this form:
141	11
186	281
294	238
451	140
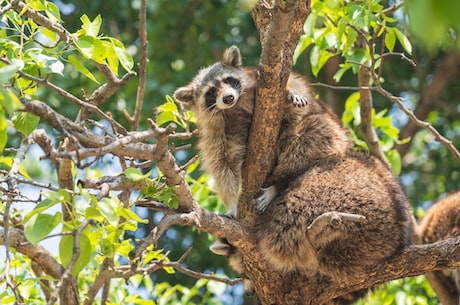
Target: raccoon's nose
228	99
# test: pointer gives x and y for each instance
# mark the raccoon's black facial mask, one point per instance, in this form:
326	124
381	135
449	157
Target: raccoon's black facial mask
210	98
233	82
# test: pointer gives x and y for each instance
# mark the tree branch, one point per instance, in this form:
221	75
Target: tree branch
414	260
204	220
275	65
365	102
142	64
37	254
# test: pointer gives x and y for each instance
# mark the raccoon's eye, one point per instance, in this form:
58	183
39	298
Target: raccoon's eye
210	98
211	93
233	82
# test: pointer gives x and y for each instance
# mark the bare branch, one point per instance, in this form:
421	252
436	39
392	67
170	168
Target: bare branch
399	101
199	275
206	221
429	99
365	101
142	64
115	183
414	260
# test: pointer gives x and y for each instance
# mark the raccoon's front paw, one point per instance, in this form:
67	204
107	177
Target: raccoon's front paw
268	194
297	99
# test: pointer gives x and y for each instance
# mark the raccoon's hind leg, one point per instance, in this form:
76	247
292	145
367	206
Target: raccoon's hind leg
296	98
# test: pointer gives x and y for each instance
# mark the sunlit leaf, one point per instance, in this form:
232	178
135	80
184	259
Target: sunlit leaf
403	40
135	174
125	58
3	128
81	68
66	247
91	28
128	214
390	39
25	122
108	208
85	44
40	225
8	71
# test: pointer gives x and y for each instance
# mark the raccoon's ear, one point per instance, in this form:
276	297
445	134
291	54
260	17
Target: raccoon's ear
184	95
232	57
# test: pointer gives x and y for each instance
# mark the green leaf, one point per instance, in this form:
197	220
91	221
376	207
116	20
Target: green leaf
91	28
59	196
99	53
8	71
125	59
52	11
106	247
48	64
390	39
40	207
111	56
108	208
136	175
39	226
66	252
304	42
128	214
403	40
394	158
3	128
352	110
25	122
81	68
85	44
165	117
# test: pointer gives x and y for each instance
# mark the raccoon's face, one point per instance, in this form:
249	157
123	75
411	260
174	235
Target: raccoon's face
220	92
217	87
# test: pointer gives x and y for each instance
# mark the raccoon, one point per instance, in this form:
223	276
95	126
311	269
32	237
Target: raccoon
222	97
356	183
442	221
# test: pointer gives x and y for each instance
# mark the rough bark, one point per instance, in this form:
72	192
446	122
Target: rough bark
279	39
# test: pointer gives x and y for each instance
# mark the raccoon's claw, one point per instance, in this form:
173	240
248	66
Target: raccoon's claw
268	194
297	99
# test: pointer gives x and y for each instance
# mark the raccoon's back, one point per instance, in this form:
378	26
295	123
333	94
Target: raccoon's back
357	184
442	220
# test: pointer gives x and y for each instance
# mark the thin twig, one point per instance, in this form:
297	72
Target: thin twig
142	65
369	133
398	101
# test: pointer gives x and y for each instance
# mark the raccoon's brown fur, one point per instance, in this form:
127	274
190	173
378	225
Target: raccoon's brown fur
356	183
442	221
222	97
